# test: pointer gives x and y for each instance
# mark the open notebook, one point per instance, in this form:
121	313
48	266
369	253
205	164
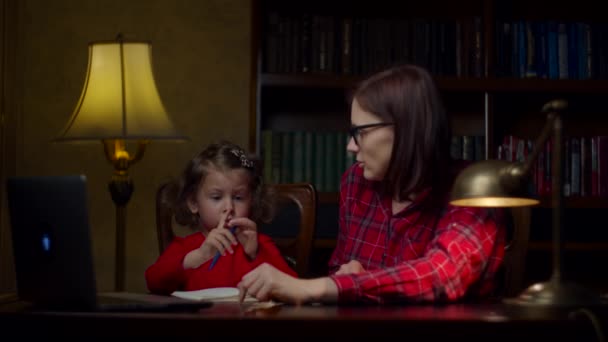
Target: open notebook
217	294
225	294
52	250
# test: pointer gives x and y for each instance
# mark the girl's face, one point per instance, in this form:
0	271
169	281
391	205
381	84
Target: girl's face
222	192
374	145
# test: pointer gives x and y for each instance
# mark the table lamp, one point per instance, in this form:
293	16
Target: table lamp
120	102
498	183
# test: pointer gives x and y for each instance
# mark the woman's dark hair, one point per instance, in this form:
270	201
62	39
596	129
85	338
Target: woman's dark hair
407	96
221	156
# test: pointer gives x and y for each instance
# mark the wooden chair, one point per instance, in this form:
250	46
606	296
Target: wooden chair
164	219
515	251
296	249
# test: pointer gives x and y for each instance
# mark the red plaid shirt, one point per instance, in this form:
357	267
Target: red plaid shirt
413	255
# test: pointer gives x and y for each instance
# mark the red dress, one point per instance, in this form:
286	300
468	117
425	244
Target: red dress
167	274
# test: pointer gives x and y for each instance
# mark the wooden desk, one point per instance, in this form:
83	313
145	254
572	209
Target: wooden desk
466	322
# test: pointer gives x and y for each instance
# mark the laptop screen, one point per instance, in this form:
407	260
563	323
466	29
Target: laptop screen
51	241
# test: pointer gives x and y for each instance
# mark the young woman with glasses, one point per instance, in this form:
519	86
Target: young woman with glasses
399	240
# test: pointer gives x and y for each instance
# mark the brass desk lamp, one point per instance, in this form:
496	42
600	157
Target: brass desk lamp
120	102
497	183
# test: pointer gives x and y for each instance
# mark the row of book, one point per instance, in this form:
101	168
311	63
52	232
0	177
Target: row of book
305	156
552	50
585	160
313	43
321	157
468	147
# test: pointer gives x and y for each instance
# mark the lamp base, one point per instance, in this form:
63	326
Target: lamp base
556	294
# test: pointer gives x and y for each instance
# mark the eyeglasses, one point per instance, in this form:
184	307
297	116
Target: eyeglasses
355	131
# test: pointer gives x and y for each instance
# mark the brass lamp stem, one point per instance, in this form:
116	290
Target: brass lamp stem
539	144
121	189
557	197
553	128
555	292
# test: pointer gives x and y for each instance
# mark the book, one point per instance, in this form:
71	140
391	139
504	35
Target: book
215	294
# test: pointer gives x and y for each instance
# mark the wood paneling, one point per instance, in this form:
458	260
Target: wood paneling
9	112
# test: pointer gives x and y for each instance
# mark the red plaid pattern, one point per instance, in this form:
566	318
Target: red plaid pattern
414	255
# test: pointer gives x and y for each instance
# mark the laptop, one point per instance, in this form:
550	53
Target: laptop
52	250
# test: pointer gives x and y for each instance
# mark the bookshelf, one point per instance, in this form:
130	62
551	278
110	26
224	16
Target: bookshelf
495	61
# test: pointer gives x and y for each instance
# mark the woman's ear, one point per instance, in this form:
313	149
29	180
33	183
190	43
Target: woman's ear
192	205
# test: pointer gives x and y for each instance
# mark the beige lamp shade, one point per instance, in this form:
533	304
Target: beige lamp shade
119	99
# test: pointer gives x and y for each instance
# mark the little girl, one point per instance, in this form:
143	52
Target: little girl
221	195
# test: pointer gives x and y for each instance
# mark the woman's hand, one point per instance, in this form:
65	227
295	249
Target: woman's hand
266	282
247	235
351	267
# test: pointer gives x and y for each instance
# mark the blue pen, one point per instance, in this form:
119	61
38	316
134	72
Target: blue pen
218	254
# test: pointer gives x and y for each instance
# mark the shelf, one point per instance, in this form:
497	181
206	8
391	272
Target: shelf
569	246
309	80
328	197
545	202
324	243
533	246
523	85
577	202
445	83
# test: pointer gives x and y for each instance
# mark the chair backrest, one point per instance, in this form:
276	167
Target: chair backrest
295	249
516	250
298	248
164	218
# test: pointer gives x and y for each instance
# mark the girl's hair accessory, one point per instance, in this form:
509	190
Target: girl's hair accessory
245	162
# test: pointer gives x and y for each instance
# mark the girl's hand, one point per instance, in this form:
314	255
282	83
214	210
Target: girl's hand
247	234
219	239
351	267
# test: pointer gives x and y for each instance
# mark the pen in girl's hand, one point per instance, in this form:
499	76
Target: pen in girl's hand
218	254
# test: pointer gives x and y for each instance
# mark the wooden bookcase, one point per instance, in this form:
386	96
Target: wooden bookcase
495	61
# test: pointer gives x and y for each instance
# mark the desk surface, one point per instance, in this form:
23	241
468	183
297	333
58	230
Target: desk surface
468	321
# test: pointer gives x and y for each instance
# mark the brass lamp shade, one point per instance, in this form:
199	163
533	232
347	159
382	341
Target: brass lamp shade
491	183
119	98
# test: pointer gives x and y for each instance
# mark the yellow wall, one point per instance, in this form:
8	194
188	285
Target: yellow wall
201	59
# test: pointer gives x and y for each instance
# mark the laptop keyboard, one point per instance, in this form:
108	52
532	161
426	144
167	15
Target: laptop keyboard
154	307
133	302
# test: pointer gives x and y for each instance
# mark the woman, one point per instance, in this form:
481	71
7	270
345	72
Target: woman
399	239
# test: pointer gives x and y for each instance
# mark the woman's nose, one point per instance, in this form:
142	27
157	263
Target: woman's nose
352	146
